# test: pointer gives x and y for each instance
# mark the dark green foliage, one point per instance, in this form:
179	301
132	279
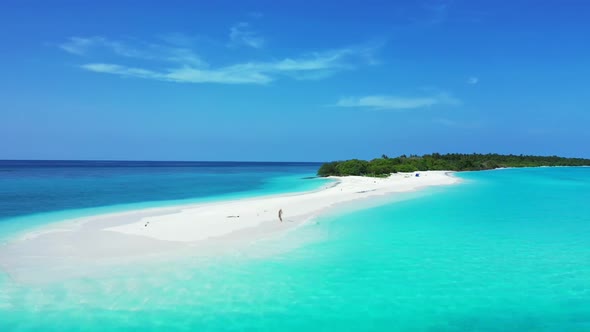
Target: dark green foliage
380	166
452	162
352	167
406	168
328	169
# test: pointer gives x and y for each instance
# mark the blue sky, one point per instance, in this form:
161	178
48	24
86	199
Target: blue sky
292	80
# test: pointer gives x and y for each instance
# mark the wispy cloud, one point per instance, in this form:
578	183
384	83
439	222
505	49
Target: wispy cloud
78	45
241	34
86	46
228	75
472	80
456	123
120	70
188	67
382	102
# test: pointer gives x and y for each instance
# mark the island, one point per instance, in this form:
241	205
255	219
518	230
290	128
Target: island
384	166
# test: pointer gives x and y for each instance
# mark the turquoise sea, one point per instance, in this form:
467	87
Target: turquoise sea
505	250
38	192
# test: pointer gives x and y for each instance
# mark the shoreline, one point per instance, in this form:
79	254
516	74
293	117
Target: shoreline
198	228
68	222
12	227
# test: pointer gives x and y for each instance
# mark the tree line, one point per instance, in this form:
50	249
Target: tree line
452	162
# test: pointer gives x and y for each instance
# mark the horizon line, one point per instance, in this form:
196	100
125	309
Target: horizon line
168	161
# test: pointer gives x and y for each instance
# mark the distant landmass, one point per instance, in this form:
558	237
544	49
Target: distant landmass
453	162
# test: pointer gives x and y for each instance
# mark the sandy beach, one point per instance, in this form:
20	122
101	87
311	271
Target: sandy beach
199	228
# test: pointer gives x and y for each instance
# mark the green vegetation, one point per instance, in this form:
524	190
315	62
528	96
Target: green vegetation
452	162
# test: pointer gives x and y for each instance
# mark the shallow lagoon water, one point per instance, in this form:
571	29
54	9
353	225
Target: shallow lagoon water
505	250
39	192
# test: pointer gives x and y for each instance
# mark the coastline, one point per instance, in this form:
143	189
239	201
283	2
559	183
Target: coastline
32	218
200	228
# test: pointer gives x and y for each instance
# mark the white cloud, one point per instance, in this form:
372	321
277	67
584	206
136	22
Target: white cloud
188	67
90	45
381	102
237	74
242	35
229	75
121	70
314	66
85	45
77	45
473	80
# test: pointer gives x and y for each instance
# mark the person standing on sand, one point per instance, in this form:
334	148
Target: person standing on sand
281	215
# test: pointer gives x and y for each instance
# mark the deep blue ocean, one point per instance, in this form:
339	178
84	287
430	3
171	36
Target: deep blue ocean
505	250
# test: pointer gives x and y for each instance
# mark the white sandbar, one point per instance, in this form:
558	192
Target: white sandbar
164	230
213	220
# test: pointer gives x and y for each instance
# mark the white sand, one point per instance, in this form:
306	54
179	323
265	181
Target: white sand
213	220
164	230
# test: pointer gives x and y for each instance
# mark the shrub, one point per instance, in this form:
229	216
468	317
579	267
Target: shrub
380	166
406	168
352	167
328	169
